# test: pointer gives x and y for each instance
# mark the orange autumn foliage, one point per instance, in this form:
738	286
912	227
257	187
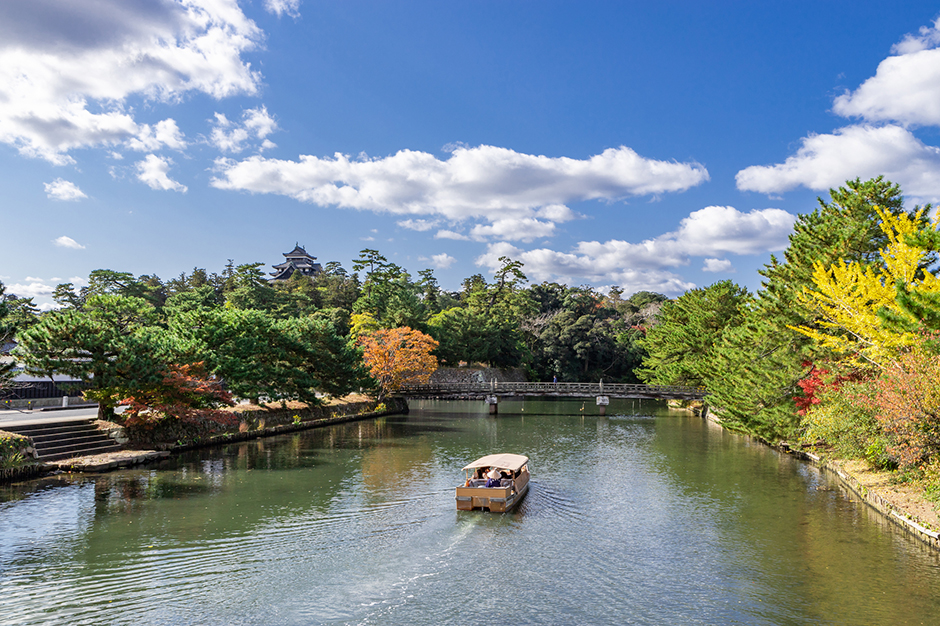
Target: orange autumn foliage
186	393
398	356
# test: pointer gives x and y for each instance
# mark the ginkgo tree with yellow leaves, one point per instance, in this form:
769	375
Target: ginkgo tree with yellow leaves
850	300
889	413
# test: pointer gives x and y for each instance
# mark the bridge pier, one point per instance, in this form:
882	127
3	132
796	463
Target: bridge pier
602	402
493	401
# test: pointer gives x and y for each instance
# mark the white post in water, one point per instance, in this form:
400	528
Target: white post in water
65	401
602	402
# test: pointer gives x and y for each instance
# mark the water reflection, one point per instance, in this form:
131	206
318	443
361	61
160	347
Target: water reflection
644	517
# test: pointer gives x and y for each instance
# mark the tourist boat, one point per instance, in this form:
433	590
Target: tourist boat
513	484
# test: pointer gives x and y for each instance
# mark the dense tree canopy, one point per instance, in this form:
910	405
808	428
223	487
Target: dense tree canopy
681	347
763	359
105	344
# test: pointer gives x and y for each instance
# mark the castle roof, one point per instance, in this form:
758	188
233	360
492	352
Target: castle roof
296	260
298	251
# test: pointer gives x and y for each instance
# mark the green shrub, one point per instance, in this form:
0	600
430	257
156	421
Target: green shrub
845	420
932	481
12	449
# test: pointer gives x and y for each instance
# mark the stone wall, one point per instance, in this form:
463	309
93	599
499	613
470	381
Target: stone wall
478	375
173	434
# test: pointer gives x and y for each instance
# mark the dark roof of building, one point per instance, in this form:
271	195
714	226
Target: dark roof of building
298	251
284	270
298	263
283	273
297	260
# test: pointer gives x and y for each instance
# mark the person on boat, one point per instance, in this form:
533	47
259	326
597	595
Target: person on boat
492	479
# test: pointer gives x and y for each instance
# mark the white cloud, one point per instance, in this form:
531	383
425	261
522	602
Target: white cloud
231	137
418	225
717	265
67	242
153	171
724	229
61	189
33	289
513	229
165	133
67	68
259	122
454	146
283	7
827	161
440	261
449	234
928	37
905	87
556	213
708	232
571	268
485	182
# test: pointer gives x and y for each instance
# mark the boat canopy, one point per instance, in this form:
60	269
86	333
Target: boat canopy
510	462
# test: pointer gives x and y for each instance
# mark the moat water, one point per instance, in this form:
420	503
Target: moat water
643	517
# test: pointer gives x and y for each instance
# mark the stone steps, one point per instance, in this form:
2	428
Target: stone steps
54	441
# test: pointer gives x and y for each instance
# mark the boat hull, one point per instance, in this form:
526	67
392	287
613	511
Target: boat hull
494	499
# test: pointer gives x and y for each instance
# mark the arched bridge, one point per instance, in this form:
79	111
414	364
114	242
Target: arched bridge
601	391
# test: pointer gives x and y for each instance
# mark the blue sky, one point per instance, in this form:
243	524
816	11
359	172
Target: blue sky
654	146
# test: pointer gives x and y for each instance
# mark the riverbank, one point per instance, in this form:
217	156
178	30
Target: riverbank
903	504
251	421
148	443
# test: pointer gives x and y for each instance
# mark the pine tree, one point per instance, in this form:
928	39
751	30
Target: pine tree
107	344
762	360
681	346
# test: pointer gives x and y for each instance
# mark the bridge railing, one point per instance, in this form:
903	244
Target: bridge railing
549	388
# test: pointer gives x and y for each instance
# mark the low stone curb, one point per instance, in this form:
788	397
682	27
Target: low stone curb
22	472
874	500
270	431
899	518
128	458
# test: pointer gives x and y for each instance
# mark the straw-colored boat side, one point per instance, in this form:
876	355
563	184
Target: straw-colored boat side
504	493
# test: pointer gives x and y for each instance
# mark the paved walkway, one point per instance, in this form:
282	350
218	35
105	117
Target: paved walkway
21	417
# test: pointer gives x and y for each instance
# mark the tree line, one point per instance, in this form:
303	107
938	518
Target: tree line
839	348
137	339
